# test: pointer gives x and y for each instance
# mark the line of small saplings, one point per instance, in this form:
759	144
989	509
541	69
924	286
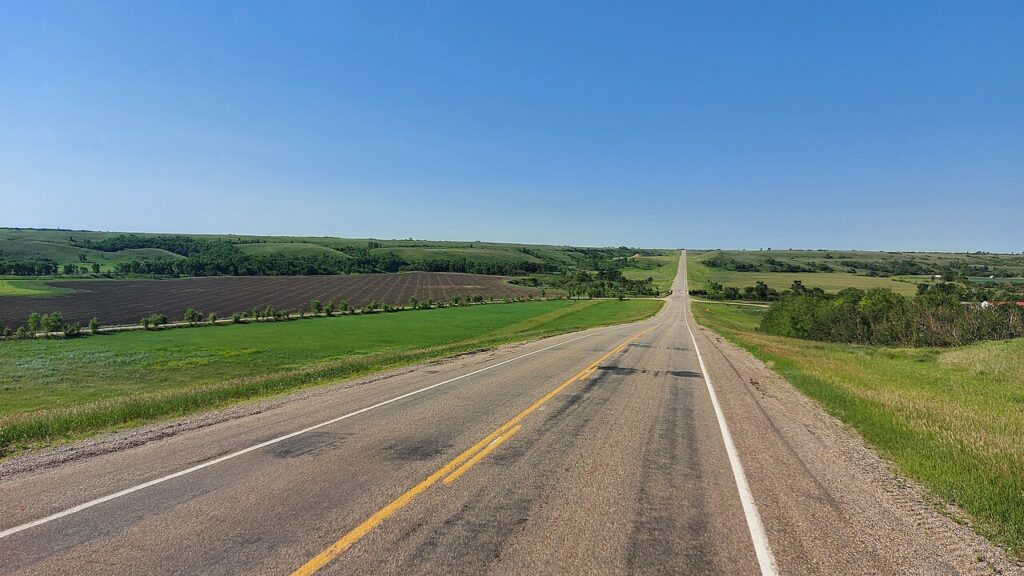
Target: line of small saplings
52	325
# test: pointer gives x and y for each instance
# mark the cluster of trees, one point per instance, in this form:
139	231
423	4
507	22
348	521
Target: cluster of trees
889	267
726	263
182	245
760	292
42	267
604	283
770	264
937	316
776	265
48	325
27	267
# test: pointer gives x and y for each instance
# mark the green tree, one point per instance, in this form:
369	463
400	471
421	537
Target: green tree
94	325
315	306
35	322
192	316
53	322
95	268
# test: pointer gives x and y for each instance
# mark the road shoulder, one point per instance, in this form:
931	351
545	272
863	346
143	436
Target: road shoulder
803	462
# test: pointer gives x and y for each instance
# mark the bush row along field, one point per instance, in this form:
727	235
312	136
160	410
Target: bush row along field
951	419
700	274
126	301
58	389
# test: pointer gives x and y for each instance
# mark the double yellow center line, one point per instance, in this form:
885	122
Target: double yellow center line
451	471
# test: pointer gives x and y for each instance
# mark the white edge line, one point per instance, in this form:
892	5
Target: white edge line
218	460
765	558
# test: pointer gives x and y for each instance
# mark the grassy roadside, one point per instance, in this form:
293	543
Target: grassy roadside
951	419
55	390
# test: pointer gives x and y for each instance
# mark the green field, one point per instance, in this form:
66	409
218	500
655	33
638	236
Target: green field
32	287
291	249
661	268
56	389
700	274
951	419
475	254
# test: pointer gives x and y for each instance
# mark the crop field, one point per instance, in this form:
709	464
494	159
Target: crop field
700	274
951	419
126	301
58	389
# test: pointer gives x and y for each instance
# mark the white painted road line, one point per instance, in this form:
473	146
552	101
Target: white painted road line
208	463
765	558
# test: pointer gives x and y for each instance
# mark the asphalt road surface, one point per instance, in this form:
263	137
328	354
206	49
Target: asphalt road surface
598	452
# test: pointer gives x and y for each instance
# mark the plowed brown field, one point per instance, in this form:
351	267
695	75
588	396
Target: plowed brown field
126	301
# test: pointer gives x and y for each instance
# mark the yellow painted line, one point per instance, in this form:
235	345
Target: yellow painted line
346	541
481	455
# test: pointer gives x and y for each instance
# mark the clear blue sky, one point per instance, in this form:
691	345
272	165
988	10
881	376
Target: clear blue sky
888	125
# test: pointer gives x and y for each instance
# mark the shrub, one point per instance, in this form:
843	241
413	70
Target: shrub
73	330
315	306
94	325
35	322
211	318
879	316
236	318
192	316
53	322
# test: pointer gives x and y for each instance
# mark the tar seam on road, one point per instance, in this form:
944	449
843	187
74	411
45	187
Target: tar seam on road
765	558
57	515
486	445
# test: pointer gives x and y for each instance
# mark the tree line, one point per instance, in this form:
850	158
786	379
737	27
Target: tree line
937	316
52	324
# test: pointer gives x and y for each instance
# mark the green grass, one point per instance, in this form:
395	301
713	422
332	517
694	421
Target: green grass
52	390
700	274
291	249
32	287
64	253
663	270
476	254
951	419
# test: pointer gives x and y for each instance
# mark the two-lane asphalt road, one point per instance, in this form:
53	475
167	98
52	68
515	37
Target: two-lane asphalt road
599	452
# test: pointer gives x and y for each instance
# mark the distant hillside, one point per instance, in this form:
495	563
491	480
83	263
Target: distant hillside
39	253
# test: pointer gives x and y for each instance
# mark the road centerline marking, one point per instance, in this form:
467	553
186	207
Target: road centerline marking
481	455
103	499
350	538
